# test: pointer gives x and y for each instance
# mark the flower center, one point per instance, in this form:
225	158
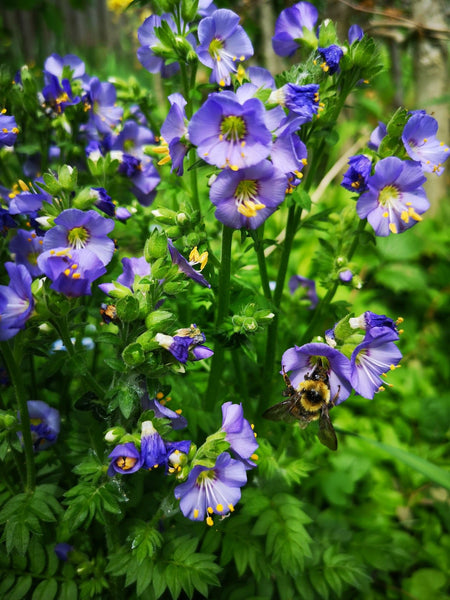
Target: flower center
126	462
247	202
78	237
215	46
233	128
204	476
388	195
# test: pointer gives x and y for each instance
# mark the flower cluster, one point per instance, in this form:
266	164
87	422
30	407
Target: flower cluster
391	194
357	353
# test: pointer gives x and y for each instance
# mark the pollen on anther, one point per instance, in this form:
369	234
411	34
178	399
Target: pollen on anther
209	521
219	507
231	507
210	510
195	513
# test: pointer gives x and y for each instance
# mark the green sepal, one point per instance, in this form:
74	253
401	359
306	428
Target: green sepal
128	309
133	354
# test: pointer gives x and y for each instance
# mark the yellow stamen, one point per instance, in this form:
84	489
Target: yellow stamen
219	508
209	521
393	228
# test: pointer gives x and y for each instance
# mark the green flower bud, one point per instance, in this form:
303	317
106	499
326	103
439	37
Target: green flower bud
165	215
250	324
68	177
114	434
127	309
155	318
189	9
155	245
133	354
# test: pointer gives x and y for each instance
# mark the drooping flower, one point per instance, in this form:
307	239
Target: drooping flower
153	448
290	25
187	266
125	459
223	42
150	44
81	230
239	432
62	551
309	285
289	153
373	357
44	424
71	271
419	139
174	133
210	490
186	344
395	199
103	201
246	198
161	411
229	133
373	324
26	198
132	268
377	136
331	57
301	360
302	100
142	174
356	176
26	246
355	34
8	129
16	301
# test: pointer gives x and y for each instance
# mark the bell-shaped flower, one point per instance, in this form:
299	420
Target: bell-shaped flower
239	432
419	139
290	26
125	459
16	301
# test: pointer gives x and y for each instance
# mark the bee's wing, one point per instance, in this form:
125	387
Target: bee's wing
283	411
326	434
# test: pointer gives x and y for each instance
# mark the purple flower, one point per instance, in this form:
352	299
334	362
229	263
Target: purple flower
174	132
303	100
374	325
63	66
149	41
162	412
142	174
230	134
103	201
100	102
289	27
370	359
132	268
133	138
419	139
125	459
355	34
8	129
186	344
206	8
27	200
153	448
6	222
210	490
58	94
246	198
187	267
288	152
26	246
71	271
356	176
331	57
310	286
44	424
239	432
81	230
346	276
301	360
395	198
223	42
376	136
16	301
62	550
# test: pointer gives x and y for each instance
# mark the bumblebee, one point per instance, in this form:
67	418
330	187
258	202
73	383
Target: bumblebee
311	401
108	313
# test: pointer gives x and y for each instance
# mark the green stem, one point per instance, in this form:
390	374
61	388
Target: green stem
258	236
63	330
19	389
325	302
223	303
293	220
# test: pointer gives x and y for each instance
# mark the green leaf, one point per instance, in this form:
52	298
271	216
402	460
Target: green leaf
430	470
68	591
19	591
46	590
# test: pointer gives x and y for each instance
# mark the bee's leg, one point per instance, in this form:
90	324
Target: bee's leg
290	388
336	396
